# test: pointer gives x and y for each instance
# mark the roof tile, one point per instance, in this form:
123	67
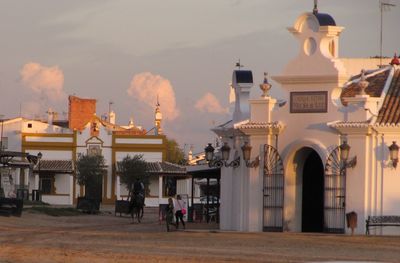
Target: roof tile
61	166
390	110
374	89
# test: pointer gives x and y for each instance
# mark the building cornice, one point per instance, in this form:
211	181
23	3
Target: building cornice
260	128
363	128
389	128
317	79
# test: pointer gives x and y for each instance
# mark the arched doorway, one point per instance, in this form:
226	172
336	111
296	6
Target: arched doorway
312	193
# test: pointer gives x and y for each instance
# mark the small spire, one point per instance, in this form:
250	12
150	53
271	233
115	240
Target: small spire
265	86
158	102
395	60
363	83
239	65
157	119
315	10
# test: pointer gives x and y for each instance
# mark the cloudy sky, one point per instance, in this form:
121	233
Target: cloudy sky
184	51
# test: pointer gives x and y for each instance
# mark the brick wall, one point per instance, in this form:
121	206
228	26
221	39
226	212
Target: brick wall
80	112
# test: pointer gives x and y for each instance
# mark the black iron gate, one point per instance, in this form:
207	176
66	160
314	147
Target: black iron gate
273	190
335	193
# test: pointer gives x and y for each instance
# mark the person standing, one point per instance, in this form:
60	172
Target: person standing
169	213
179	208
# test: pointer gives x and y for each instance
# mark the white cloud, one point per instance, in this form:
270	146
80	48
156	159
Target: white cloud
209	103
146	86
43	80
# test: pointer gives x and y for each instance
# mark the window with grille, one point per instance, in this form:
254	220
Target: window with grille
46	185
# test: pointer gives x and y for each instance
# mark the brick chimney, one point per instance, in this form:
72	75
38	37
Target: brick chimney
80	112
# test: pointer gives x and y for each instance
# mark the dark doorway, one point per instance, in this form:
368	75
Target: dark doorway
313	194
94	188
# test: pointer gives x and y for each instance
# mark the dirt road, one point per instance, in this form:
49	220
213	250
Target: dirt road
106	238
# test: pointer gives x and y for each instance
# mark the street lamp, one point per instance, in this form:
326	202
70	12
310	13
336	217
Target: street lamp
246	149
344	156
217	161
39	156
225	151
2	126
394	154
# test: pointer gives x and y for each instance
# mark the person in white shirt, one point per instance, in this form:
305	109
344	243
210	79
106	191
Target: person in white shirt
179	208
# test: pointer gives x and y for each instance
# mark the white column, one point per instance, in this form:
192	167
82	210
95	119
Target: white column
160	189
71	189
118	188
26	176
17	175
356	180
36	182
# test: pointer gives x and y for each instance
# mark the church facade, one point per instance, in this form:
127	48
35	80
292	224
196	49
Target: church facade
328	149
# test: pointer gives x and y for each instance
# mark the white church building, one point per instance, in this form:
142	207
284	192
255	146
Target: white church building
299	178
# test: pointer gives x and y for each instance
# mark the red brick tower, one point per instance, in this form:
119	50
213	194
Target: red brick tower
81	111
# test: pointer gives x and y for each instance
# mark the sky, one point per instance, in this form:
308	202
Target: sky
128	52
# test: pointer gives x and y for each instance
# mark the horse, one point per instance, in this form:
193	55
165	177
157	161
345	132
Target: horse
136	207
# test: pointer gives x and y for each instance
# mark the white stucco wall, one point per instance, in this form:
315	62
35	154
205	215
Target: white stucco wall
62	183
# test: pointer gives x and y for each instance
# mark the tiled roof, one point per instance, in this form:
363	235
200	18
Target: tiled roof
161	168
259	125
390	110
60	166
349	124
376	79
382	82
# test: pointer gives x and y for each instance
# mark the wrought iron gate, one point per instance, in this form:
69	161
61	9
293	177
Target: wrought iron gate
273	190
335	193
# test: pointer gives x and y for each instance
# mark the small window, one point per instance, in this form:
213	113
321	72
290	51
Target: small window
46	185
169	186
29	125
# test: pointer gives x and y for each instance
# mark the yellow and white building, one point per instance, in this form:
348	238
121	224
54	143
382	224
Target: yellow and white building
61	142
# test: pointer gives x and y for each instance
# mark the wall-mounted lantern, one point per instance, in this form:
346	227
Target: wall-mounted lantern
344	156
225	151
246	149
218	162
394	154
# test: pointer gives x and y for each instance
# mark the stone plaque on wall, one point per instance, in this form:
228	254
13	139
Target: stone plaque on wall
309	102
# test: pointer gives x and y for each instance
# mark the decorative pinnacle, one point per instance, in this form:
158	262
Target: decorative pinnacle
315	10
265	86
395	60
363	83
239	65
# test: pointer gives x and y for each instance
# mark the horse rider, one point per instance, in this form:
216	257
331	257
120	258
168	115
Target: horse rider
138	195
138	189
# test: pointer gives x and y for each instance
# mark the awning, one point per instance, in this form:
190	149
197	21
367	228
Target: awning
161	168
16	159
54	166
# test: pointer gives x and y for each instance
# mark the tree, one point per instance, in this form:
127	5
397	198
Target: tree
90	170
174	153
132	169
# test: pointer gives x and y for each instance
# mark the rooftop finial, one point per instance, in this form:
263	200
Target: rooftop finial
315	10
395	60
158	103
265	86
239	65
363	83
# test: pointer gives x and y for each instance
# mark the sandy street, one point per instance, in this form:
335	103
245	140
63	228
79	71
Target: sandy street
107	238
